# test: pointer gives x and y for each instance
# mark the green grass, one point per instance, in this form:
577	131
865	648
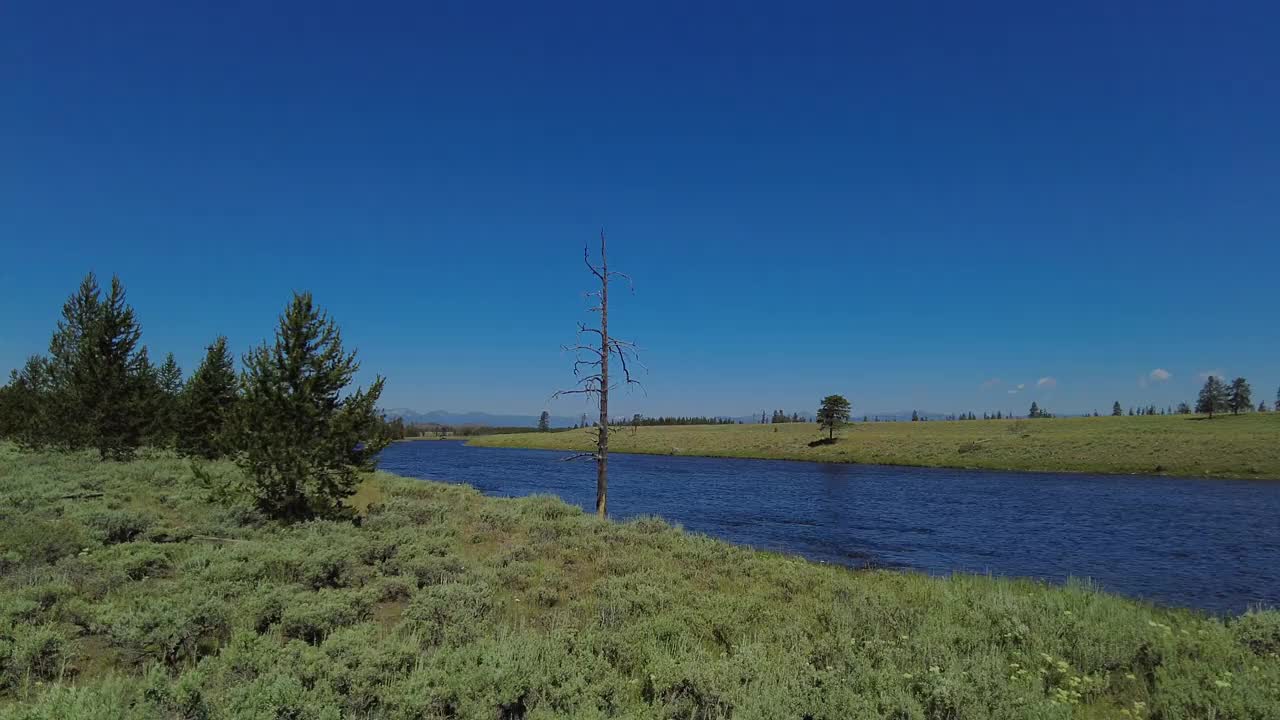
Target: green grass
1245	446
126	593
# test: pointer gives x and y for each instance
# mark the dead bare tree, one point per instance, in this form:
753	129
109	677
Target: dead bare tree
591	368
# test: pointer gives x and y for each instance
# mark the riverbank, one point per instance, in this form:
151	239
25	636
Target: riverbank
126	593
1244	446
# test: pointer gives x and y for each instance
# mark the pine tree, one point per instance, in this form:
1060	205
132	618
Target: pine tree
8	411
544	421
1238	396
169	412
27	404
1184	409
915	416
65	420
159	397
303	440
1115	410
109	375
207	405
1035	410
1262	406
1213	397
833	413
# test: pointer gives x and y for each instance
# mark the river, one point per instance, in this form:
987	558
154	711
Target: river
1207	544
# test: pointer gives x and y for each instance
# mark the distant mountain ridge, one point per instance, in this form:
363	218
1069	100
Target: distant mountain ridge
446	417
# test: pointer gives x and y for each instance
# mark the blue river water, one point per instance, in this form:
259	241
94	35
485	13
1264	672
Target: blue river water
1207	544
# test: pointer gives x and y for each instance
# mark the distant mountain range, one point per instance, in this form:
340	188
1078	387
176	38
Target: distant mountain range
445	417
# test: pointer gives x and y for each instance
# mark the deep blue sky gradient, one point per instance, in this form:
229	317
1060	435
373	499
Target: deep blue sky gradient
900	202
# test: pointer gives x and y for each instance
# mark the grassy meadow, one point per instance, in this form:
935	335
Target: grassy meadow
132	590
1244	446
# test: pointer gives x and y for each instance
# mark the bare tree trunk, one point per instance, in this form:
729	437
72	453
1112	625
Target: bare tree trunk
602	444
592	370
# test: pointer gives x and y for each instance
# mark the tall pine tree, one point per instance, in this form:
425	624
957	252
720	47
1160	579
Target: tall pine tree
1213	397
109	376
161	395
168	414
208	404
66	418
1238	396
302	440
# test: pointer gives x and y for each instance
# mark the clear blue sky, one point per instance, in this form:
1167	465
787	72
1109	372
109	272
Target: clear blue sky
903	202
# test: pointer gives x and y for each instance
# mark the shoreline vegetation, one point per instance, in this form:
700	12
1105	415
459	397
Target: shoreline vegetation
139	590
1245	446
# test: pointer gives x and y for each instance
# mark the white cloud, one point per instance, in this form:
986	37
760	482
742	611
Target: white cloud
1021	386
1160	375
1047	382
993	382
1013	392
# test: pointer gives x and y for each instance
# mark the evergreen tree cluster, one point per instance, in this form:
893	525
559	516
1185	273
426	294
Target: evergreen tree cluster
288	418
97	387
1217	397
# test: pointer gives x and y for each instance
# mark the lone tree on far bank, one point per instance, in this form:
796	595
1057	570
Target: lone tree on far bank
544	421
1213	397
592	352
303	440
1238	396
1116	410
833	413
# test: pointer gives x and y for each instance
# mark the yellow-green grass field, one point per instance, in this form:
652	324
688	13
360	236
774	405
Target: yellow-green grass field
134	591
1244	446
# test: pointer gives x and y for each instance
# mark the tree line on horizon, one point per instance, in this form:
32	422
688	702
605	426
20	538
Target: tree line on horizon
288	418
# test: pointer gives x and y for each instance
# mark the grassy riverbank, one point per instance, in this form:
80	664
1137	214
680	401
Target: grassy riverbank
125	592
1245	446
